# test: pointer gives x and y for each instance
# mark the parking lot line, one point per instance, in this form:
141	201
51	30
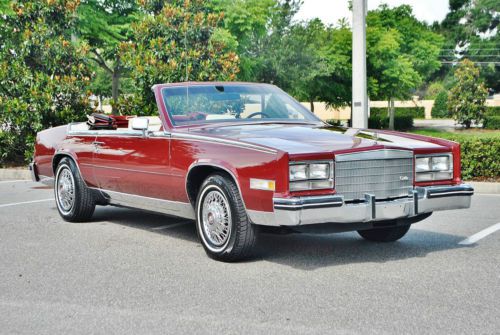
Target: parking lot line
25	202
171	225
482	234
13	181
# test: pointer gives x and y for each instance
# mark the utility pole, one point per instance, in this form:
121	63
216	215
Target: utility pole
359	86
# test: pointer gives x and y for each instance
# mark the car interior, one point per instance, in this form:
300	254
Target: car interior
97	121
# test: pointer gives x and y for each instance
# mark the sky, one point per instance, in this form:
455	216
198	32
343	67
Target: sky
330	11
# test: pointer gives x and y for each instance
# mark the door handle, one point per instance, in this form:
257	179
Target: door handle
97	143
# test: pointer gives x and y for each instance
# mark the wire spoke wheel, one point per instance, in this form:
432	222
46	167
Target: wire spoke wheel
222	222
65	189
216	217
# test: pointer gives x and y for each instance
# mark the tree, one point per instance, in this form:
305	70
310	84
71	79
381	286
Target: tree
471	32
269	55
307	59
43	74
322	64
5	7
104	24
249	21
468	95
401	53
181	41
440	108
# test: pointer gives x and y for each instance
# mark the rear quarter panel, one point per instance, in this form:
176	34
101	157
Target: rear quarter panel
47	142
56	141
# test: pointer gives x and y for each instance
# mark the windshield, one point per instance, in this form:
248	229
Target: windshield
232	103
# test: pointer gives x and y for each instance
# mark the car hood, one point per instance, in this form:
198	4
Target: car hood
302	139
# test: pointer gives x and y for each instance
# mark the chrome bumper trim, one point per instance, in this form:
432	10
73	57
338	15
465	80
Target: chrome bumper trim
32	168
333	209
296	204
446	191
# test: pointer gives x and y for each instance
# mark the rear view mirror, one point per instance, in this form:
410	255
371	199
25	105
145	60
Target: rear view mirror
140	123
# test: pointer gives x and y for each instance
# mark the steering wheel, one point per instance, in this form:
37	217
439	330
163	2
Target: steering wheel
264	115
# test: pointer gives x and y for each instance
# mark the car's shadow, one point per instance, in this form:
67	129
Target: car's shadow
303	251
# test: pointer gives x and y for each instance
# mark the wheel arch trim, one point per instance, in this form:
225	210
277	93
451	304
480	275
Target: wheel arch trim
61	154
217	165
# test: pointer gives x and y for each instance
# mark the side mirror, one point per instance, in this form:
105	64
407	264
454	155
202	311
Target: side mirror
140	123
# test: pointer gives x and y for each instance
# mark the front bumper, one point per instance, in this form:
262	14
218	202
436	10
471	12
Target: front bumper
297	211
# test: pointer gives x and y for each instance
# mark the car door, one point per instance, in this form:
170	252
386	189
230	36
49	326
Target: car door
128	163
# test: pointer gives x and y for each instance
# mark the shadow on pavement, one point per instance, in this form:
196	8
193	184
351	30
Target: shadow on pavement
309	252
147	221
302	251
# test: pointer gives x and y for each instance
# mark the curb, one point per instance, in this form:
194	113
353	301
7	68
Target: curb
481	187
24	174
15	174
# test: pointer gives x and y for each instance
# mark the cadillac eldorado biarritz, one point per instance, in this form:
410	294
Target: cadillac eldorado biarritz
238	158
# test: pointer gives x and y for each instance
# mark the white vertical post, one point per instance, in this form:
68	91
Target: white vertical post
359	89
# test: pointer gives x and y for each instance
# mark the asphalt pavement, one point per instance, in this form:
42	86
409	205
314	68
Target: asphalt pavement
130	272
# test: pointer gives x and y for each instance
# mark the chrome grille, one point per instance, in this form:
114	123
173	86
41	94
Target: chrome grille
383	173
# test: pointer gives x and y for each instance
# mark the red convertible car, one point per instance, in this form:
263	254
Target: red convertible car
240	157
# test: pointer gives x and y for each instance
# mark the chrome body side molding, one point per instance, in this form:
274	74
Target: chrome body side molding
238	144
163	134
174	208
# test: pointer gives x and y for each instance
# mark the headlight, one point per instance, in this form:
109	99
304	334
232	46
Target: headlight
440	163
319	171
298	172
311	176
434	167
422	164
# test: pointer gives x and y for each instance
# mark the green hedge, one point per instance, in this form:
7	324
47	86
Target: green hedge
10	152
401	122
480	152
414	112
480	157
491	122
492	111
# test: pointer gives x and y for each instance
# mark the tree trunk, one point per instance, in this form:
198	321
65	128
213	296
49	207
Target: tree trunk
391	113
115	85
312	105
115	88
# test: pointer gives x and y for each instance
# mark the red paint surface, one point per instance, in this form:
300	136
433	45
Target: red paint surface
157	167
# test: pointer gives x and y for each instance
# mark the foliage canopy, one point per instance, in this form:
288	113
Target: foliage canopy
43	74
468	95
181	41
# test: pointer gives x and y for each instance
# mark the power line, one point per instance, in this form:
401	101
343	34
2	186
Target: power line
467	56
478	63
467	49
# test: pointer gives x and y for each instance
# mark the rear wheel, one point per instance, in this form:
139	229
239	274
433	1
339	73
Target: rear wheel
75	202
389	234
222	223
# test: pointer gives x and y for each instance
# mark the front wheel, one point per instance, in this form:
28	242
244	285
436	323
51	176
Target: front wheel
222	223
390	234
